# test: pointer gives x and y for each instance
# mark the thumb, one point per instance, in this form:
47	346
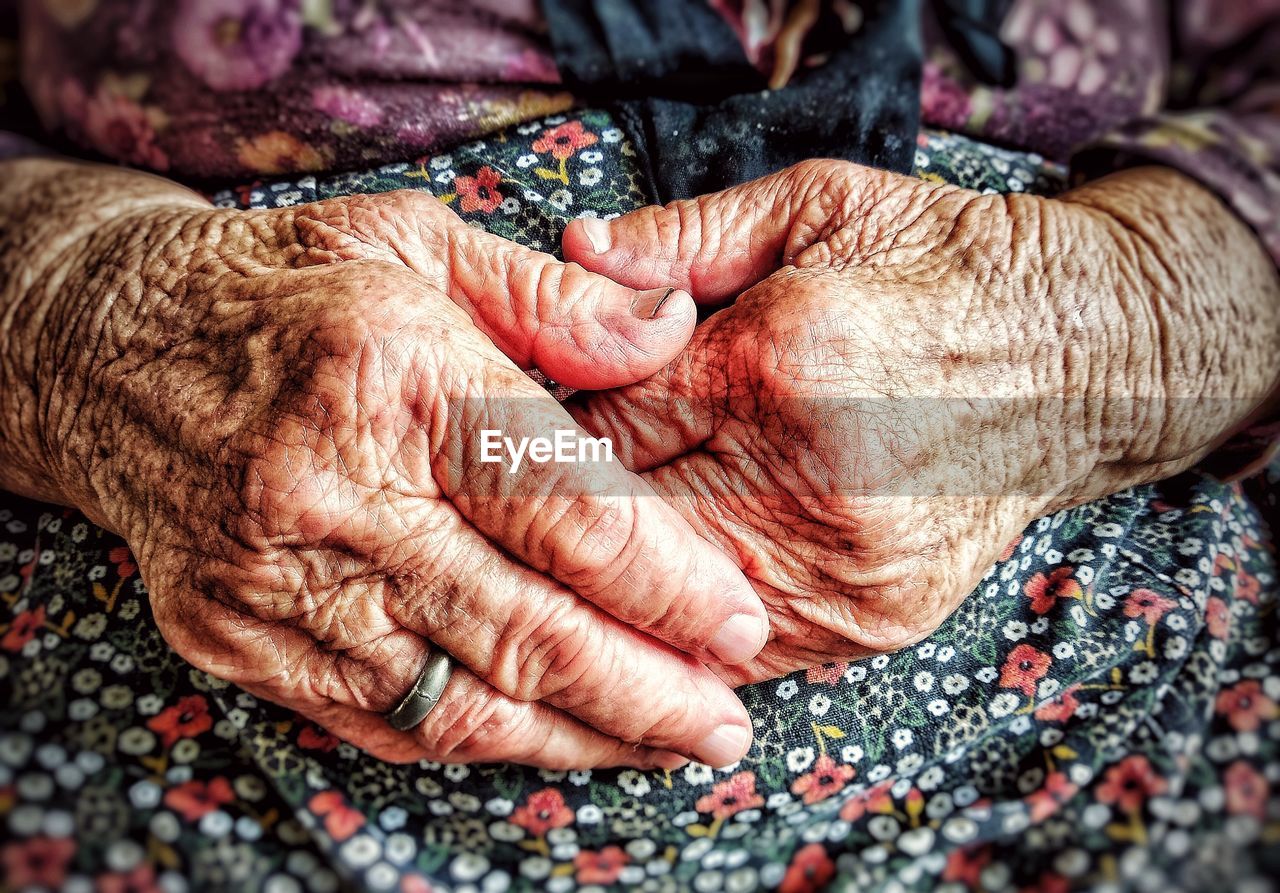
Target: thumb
718	245
578	327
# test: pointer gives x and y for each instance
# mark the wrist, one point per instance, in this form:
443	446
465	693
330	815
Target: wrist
1186	344
64	282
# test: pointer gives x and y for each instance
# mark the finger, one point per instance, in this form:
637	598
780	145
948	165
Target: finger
581	329
588	522
349	692
474	723
717	245
679	409
535	641
528	638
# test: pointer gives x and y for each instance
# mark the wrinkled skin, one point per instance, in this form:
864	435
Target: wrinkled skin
909	374
280	411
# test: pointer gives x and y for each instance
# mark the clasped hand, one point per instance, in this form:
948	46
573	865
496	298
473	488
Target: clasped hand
282	413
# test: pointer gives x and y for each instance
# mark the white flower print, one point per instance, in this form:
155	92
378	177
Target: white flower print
1003	704
633	782
1143	673
698	773
799	758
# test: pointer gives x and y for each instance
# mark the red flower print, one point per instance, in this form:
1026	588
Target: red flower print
543	811
186	719
1057	790
965	866
828	673
312	737
340	820
1129	783
1148	605
1023	668
731	796
142	879
37	862
1049	883
875	799
602	867
415	883
193	800
809	871
1218	618
1245	706
479	193
1044	591
122	558
564	140
1061	708
23	630
827	778
1246	789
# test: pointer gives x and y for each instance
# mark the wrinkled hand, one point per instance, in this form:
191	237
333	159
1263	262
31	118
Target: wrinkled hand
281	412
912	373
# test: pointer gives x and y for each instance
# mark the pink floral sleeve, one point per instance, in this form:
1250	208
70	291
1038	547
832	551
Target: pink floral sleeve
242	88
1220	118
1221	125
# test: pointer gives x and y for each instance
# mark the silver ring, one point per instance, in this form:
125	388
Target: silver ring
425	694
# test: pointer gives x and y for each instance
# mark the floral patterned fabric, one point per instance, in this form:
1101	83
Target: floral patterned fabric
1101	713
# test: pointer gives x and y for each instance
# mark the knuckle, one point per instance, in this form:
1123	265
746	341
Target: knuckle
549	281
671	724
592	541
887	616
482	726
548	651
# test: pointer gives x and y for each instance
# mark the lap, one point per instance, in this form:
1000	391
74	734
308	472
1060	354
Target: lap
1103	702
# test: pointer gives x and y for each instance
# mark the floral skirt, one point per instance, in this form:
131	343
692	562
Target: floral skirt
1101	712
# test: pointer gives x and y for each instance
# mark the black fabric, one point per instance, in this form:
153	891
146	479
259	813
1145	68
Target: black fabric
701	115
972	28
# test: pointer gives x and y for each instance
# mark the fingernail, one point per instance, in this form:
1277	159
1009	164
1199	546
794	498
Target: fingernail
740	638
597	234
724	746
665	759
648	304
